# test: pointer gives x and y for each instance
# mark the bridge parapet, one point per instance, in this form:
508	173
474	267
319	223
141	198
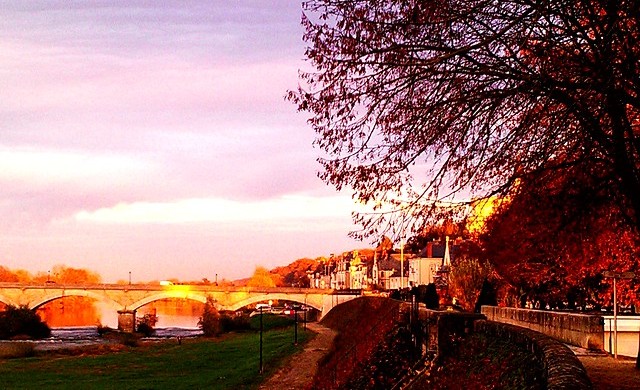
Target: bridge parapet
130	297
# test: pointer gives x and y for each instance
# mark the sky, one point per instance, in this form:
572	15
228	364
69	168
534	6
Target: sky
153	137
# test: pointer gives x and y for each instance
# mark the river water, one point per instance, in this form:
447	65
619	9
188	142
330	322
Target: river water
78	336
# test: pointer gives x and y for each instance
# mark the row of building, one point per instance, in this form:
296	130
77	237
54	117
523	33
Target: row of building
385	271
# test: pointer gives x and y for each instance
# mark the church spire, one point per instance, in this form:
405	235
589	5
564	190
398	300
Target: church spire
446	261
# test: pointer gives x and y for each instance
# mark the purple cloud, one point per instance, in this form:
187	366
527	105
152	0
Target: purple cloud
110	104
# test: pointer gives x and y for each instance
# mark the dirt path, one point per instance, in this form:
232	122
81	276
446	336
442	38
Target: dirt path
299	371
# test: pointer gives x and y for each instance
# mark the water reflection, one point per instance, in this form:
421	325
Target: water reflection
87	312
174	313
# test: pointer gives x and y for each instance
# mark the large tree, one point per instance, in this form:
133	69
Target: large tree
413	101
553	240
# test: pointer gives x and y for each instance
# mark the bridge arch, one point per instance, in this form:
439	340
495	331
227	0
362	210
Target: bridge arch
170	294
74	293
6	300
308	301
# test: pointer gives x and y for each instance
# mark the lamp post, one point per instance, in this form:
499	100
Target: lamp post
295	319
402	264
261	366
615	276
129	277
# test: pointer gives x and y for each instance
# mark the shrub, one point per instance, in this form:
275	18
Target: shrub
210	320
271	321
230	322
487	296
22	321
145	329
428	295
102	330
146	323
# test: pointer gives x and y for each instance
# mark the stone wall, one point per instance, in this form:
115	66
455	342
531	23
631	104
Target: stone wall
582	330
563	369
127	321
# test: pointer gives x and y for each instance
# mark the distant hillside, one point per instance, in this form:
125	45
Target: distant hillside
296	273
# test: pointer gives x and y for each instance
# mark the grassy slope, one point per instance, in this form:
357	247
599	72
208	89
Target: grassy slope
231	363
363	322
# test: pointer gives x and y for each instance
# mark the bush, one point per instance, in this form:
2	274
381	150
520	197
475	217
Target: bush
214	323
146	329
431	298
271	321
427	294
102	330
22	321
210	320
146	323
487	296
230	322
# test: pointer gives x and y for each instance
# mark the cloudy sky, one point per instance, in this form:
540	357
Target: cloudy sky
153	137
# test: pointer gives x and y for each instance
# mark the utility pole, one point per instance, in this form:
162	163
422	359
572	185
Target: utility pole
615	276
261	366
295	318
402	264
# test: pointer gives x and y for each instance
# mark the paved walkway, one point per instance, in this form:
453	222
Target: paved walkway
298	373
607	373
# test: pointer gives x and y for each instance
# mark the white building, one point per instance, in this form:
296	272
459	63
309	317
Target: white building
423	269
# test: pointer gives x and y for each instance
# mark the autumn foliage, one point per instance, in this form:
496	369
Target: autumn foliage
414	102
554	237
67	311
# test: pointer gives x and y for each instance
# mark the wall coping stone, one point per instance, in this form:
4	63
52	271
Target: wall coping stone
582	330
562	368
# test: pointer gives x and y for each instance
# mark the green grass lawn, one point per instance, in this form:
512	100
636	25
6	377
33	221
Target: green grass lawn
229	363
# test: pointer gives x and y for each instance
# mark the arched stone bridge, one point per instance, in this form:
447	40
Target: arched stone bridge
126	299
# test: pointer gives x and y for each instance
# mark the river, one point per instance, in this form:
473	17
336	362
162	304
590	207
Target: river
79	336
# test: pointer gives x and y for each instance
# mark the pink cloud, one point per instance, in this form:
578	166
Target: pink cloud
136	102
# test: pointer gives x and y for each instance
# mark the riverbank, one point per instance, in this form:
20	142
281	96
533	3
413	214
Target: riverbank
227	362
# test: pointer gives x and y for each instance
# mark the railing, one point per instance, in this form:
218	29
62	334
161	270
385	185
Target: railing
157	287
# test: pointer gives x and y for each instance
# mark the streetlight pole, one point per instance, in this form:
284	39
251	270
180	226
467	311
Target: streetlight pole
129	277
295	319
615	320
261	366
614	276
402	264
